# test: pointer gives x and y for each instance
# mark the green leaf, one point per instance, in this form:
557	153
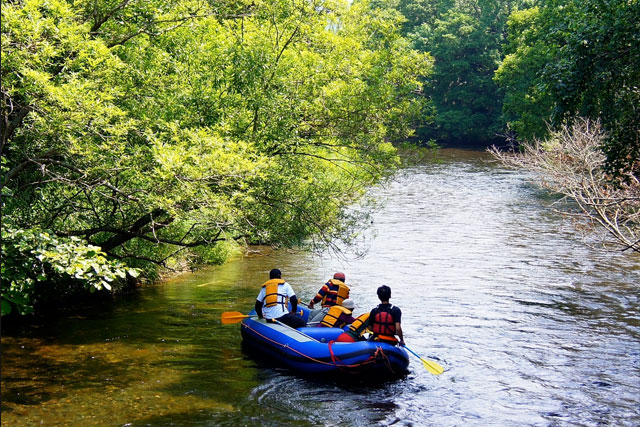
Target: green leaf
6	307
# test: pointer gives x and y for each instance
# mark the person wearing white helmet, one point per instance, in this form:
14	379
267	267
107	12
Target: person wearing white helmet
339	316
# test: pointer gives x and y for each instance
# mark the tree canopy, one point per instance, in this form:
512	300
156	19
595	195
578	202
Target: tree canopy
160	131
569	58
139	135
465	38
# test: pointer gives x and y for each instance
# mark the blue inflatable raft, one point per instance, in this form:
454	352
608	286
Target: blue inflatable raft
313	351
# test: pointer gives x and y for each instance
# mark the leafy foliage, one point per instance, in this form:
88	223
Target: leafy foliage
465	38
570	58
526	104
32	255
164	132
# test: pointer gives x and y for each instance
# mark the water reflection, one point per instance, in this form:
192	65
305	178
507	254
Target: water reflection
533	327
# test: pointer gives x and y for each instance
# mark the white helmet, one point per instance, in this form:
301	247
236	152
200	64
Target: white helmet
348	304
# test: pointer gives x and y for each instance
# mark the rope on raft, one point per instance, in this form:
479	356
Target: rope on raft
372	359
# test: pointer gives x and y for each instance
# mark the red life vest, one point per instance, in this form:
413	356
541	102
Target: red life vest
382	322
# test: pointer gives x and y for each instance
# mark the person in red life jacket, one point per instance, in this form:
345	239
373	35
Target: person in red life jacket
272	301
385	319
339	316
358	327
334	292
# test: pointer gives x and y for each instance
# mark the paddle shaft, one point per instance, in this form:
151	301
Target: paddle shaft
429	365
412	352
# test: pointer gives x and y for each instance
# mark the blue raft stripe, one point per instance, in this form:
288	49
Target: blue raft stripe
302	349
282	348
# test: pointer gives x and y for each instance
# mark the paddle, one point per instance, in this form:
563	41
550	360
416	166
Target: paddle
234	317
429	365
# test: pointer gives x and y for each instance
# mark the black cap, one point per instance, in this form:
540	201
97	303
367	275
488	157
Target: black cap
275	274
384	293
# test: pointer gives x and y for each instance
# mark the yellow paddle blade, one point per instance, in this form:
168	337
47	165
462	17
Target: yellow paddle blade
232	317
431	366
236	316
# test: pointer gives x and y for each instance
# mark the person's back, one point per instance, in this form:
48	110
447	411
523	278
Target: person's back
339	316
334	292
273	298
385	320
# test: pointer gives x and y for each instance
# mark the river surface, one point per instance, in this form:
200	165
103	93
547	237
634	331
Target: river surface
533	327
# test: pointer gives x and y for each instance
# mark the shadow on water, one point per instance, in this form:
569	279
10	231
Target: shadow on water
149	348
45	373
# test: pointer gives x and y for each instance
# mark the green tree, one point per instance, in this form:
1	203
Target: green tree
462	89
163	132
465	38
419	13
527	104
33	257
571	58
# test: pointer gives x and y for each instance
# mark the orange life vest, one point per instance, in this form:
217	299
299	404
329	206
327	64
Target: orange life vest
359	326
337	293
330	319
272	297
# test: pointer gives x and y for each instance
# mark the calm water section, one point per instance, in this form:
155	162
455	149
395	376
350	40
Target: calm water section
534	328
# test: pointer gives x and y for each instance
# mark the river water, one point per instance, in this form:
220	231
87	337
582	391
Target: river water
533	327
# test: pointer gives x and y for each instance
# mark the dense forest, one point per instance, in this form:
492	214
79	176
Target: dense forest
141	136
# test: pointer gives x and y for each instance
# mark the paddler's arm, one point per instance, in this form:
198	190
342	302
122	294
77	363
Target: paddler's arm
294	303
321	293
258	308
399	333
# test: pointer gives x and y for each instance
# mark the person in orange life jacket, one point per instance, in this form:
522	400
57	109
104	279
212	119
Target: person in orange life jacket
385	319
272	301
339	316
331	293
356	329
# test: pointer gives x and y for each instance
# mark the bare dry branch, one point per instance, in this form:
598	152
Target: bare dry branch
571	163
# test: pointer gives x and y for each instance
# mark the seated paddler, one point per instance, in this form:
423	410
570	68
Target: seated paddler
356	329
334	292
273	299
339	316
385	320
